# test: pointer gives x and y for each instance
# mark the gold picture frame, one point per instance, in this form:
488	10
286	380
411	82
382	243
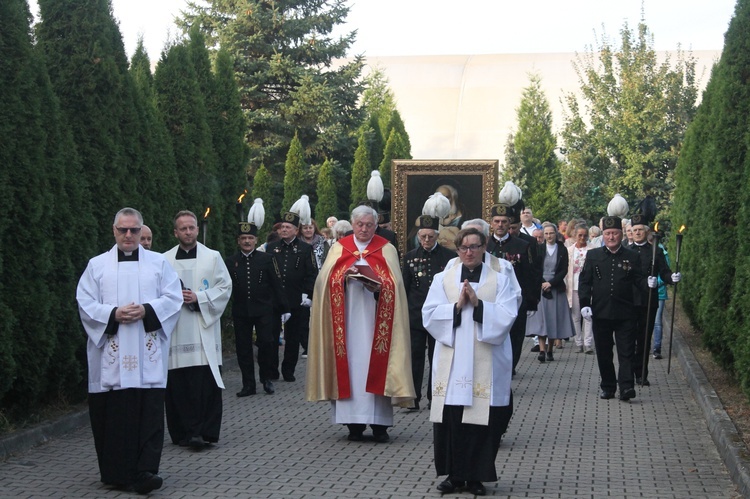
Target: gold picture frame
413	181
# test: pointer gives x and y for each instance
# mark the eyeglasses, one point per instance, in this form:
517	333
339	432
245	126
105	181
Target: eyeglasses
124	230
472	247
426	237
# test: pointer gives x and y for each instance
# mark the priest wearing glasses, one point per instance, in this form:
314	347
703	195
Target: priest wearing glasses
129	300
469	311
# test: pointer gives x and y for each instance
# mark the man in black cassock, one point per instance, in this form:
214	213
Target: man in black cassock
129	300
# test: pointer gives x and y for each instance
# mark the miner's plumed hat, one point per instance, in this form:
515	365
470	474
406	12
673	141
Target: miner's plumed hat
616	209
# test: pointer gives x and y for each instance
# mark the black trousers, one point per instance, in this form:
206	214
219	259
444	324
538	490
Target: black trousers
517	335
193	404
294	329
128	429
243	340
607	334
643	335
419	340
468	451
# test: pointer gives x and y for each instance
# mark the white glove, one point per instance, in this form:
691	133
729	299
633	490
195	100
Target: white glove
530	313
586	313
652	282
676	277
306	302
285	317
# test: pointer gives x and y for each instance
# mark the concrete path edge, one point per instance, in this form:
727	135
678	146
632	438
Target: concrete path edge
723	432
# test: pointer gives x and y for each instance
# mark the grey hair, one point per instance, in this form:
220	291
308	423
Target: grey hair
361	211
484	227
340	228
129	212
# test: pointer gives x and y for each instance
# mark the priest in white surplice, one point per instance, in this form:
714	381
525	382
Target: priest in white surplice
193	400
129	300
359	348
469	311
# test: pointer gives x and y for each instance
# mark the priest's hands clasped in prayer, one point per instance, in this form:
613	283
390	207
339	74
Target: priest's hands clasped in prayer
467	296
469	310
130	313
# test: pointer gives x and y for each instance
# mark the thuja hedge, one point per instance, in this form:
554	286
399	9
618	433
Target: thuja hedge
712	198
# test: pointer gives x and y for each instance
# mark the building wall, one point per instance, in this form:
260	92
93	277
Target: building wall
463	107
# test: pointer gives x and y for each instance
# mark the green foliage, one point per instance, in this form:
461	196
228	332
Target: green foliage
159	184
283	54
375	140
711	199
294	175
88	68
512	170
360	170
37	278
183	107
389	154
262	188
535	168
637	110
228	128
327	197
403	145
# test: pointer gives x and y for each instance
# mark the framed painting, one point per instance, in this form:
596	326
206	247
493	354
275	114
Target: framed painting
470	185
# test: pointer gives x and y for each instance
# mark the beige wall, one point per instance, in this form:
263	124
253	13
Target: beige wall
463	107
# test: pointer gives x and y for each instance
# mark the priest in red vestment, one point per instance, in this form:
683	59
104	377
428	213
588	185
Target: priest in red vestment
359	349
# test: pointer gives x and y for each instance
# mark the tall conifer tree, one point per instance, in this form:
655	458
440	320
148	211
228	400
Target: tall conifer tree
88	68
327	199
294	175
360	170
159	187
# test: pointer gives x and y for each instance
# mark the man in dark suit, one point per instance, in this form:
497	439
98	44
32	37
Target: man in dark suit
608	287
419	267
257	292
645	315
296	263
519	253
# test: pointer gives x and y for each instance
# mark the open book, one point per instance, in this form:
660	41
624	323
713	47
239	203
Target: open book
366	274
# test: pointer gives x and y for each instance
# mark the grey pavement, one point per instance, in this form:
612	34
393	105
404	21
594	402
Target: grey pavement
563	441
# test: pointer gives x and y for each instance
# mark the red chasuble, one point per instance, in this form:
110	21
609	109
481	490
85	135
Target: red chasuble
381	344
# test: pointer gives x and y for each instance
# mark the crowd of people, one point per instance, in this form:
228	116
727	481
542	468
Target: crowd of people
367	321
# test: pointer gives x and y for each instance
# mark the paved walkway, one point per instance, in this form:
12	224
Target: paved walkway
563	441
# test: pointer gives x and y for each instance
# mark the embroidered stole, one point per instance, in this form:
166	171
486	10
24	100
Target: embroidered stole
121	361
381	344
479	411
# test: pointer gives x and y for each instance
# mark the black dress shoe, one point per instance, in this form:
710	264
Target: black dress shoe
415	408
535	348
638	380
476	488
381	438
627	394
607	394
290	378
550	357
355	437
196	443
146	482
268	387
246	392
448	485
646	383
541	357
